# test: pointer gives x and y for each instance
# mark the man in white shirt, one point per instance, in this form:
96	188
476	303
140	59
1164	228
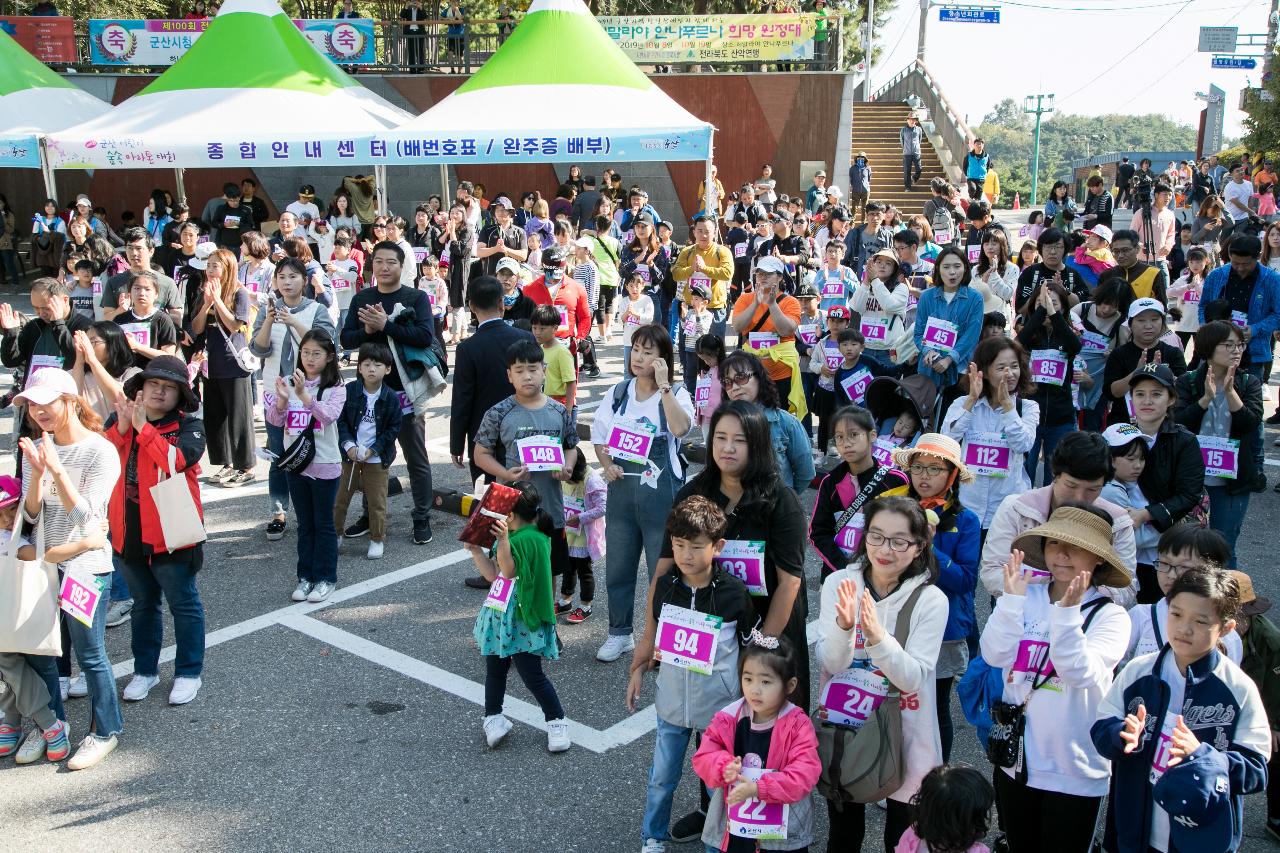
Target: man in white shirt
1237	193
1164	227
305	207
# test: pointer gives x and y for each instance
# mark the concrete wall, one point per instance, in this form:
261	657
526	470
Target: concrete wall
777	118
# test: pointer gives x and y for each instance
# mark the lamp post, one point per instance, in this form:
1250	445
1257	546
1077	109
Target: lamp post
1042	104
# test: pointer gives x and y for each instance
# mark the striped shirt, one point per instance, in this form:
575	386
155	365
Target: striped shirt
94	466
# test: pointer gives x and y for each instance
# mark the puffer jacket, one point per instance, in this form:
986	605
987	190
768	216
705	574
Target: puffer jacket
1173	478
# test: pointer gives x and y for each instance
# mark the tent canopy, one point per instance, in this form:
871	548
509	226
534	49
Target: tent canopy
558	89
288	106
34	101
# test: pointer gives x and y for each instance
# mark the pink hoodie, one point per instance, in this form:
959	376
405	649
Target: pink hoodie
911	843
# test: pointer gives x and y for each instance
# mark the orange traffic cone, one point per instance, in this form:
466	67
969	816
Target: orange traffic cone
1017	202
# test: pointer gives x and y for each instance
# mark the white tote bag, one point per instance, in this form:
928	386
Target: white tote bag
29	616
179	518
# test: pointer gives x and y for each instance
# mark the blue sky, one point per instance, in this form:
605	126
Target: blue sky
1059	46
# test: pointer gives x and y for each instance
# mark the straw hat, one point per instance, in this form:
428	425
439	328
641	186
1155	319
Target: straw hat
1251	604
934	444
1081	528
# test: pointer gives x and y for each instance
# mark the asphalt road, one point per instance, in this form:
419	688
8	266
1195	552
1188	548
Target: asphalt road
355	724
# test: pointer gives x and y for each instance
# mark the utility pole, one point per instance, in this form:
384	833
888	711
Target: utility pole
1043	104
924	22
868	33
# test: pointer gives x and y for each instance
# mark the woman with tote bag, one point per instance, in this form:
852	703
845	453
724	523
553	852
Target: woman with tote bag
68	474
156	521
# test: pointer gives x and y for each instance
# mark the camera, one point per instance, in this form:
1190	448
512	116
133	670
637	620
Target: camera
1142	186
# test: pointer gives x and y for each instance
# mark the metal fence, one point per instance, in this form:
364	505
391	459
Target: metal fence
437	52
916	83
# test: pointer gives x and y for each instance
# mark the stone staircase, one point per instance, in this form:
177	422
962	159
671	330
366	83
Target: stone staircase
875	131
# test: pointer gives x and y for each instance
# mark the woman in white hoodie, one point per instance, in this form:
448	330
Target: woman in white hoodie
881	301
856	627
1057	639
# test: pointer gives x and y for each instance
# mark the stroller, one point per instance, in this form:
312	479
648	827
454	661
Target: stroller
888	397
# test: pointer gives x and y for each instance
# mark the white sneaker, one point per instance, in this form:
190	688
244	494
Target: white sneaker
615	647
301	591
558	736
375	551
78	688
653	845
92	750
139	687
496	728
184	690
321	591
32	749
118	613
64	687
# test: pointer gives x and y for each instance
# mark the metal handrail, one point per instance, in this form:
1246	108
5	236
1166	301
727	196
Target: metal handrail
915	80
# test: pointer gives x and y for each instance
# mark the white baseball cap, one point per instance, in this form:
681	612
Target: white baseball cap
203	252
508	264
1146	303
770	264
48	385
1119	435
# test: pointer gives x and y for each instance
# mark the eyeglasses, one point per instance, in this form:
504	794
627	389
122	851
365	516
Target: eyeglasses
738	380
1171	570
879	540
314	353
926	470
1233	347
842	438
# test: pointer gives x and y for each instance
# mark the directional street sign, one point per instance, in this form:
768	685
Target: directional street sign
970	14
1218	39
1239	62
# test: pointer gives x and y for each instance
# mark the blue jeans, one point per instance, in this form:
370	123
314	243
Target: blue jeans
882	358
91	652
277	480
47	668
119	587
719	324
635	517
1047	437
313	502
1226	515
170	575
689	365
669	747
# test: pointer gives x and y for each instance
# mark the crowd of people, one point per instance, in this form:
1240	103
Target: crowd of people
1061	427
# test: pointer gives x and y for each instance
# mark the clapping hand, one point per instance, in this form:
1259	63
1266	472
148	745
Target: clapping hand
1134	724
847	605
872	630
742	792
8	317
732	771
1182	742
1074	595
975	385
1015	580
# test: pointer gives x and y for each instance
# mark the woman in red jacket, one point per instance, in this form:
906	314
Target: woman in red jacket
154	434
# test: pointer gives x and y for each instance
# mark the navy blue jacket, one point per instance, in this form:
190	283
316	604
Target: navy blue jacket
387	418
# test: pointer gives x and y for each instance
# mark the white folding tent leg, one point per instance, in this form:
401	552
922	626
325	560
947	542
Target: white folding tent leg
46	171
180	187
380	182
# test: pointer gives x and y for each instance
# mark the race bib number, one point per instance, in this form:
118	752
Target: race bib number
1048	367
942	237
875	330
702	279
643	271
79	597
1220	455
762	340
940	333
564	318
1191	297
833	288
573	506
755	818
690	327
341	282
883	447
974	253
43	362
499	596
232	222
1094	342
1240	318
855	385
406	405
988	454
849	537
833	357
807	333
631	440
687	638
744	559
740	251
852	696
419	252
702	393
1033	659
541	453
139	333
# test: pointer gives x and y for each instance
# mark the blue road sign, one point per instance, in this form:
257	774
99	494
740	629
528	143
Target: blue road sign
1241	62
985	15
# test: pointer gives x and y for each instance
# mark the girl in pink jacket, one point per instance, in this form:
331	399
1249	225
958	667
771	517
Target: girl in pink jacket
759	758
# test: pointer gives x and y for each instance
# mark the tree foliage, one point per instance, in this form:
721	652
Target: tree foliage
1009	134
1262	119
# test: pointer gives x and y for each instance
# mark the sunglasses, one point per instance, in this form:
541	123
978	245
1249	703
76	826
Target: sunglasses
738	380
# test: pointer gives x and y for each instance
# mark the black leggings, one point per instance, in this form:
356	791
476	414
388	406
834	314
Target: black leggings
529	667
945	728
579	571
603	306
849	826
1036	821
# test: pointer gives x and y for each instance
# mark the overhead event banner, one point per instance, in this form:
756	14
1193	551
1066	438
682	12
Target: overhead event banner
48	39
389	148
20	152
163	42
713	38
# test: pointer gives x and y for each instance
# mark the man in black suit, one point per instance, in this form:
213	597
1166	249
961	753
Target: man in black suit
480	375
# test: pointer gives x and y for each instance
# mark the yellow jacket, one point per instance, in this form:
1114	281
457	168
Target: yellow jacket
719	261
786	353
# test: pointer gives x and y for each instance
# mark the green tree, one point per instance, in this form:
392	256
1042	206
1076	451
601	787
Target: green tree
1008	113
1262	119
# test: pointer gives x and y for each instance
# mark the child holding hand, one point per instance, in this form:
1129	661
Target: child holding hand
524	631
758	751
367	430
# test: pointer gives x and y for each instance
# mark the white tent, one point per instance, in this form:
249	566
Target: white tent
251	91
558	90
34	101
